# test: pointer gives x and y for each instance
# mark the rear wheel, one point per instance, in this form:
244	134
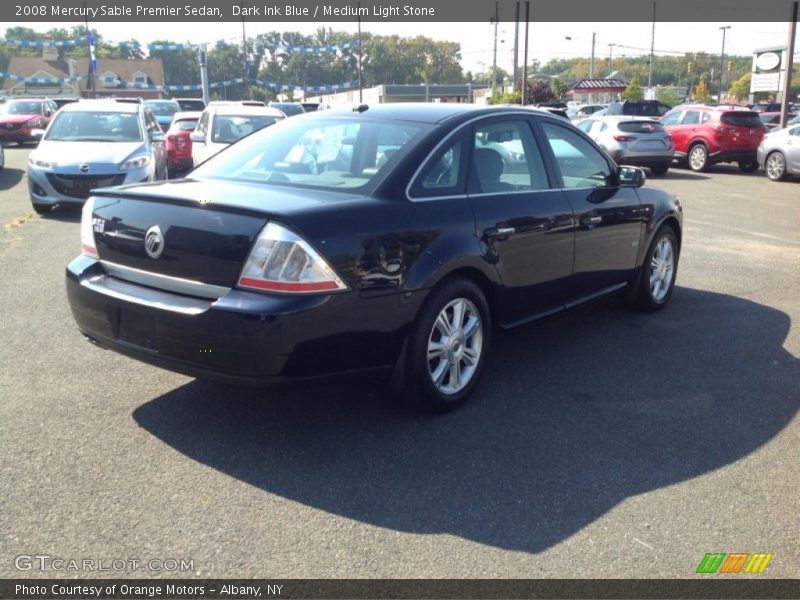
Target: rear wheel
698	158
749	166
775	166
659	169
447	347
657	279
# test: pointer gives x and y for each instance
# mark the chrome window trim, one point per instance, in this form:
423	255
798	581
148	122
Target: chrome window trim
452	134
166	283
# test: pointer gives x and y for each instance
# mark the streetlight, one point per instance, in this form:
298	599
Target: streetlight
724	29
610	50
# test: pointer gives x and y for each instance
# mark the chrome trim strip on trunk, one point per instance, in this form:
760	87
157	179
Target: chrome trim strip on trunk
167	283
129	292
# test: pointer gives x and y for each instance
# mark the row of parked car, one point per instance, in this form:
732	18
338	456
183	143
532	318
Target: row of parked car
697	136
99	143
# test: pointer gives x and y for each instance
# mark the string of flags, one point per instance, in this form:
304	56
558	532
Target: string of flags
78	41
186	87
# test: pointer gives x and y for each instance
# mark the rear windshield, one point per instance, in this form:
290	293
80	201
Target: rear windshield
640	127
230	128
80	126
741	118
163	109
330	154
185	124
192	104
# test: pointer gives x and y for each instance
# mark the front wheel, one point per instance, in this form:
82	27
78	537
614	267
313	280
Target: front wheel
657	278
447	347
775	166
749	166
698	158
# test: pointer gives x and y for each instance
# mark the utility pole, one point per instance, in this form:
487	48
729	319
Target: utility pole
652	46
591	64
787	75
610	50
494	20
90	42
204	73
525	54
360	77
722	62
516	48
245	74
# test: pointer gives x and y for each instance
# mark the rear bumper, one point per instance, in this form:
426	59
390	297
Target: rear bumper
180	163
648	160
243	338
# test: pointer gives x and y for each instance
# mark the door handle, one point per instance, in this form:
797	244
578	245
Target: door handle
499	232
592	221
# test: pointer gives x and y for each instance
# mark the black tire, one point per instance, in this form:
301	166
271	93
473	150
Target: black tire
41	209
698	158
748	166
775	166
413	383
659	170
644	298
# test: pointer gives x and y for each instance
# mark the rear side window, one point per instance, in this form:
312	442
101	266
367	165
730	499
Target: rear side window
507	158
741	118
444	176
641	127
692	117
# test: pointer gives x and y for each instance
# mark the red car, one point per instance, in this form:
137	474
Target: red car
22	121
706	135
179	145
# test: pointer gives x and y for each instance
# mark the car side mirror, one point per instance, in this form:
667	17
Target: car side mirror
197	137
630	177
47	112
157	136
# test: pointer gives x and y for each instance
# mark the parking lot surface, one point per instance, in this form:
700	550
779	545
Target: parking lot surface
603	443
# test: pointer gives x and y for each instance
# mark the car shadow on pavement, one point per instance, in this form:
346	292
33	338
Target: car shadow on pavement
574	415
679	174
10	177
69	213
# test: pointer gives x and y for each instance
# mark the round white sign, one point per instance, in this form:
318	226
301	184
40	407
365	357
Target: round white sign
768	61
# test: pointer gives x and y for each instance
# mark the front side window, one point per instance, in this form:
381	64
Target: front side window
506	158
580	163
75	126
331	153
672	118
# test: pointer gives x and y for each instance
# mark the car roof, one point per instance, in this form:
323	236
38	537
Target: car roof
101	105
244	109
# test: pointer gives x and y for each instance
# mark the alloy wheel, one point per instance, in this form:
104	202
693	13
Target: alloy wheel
454	346
776	166
698	158
662	267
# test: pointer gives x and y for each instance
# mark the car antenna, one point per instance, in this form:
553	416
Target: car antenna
361	108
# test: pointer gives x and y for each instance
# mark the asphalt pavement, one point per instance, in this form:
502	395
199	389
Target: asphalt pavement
602	443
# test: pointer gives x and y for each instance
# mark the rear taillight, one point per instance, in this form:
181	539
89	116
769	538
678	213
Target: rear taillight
281	261
180	141
624	138
725	130
87	230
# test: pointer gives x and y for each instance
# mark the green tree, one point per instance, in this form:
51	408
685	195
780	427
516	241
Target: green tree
741	87
668	96
559	87
181	67
633	91
701	92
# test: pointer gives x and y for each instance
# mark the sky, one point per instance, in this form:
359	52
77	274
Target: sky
546	40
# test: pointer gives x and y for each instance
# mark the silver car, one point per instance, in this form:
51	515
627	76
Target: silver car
92	144
637	141
779	153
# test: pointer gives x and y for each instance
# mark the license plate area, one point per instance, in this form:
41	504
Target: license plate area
138	329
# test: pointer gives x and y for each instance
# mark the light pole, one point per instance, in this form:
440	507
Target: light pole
724	29
610	50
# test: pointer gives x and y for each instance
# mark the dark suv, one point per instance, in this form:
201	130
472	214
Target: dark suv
706	135
644	108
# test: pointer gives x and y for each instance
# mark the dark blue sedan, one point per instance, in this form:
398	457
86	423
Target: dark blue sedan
390	238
